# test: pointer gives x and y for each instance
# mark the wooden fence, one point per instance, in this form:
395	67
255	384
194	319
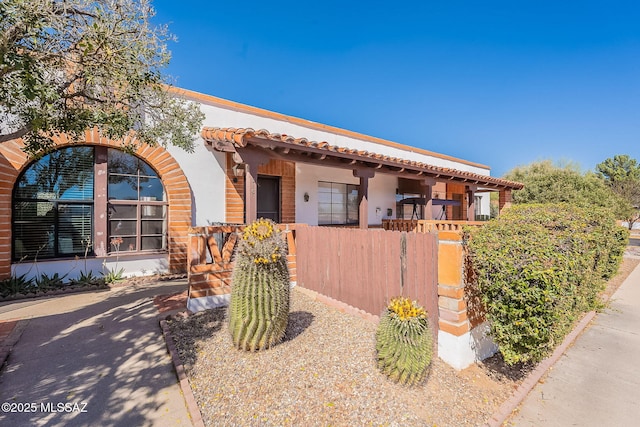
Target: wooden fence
211	256
365	268
426	225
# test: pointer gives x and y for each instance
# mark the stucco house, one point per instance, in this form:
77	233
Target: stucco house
92	206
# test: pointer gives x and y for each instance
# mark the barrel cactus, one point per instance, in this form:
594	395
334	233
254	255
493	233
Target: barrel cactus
404	342
259	309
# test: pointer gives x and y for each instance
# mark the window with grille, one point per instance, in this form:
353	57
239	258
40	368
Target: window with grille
55	212
337	203
137	207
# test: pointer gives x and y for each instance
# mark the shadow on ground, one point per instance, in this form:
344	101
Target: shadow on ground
109	357
496	368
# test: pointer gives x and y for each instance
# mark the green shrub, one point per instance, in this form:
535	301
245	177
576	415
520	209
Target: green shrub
113	276
539	266
259	308
404	342
45	282
16	285
87	279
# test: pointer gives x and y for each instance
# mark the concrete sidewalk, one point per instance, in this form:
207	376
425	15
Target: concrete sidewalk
102	353
597	380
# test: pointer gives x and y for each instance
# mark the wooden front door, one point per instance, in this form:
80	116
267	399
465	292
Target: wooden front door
269	197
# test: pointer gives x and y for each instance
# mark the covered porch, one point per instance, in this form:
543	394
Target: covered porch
250	151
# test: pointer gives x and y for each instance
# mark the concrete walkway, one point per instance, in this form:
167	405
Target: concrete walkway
101	352
597	381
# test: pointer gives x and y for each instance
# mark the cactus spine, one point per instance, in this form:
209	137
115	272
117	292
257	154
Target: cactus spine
404	342
259	309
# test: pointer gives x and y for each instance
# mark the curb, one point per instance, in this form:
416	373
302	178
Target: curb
189	398
60	292
507	408
7	344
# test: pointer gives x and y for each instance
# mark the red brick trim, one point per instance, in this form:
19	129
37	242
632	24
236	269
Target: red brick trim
183	380
234	190
13	161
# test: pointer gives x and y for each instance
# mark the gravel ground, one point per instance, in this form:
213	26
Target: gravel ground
324	374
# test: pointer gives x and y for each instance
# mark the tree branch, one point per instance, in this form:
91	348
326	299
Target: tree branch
15	135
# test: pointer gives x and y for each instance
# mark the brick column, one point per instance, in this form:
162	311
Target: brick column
505	199
452	306
463	335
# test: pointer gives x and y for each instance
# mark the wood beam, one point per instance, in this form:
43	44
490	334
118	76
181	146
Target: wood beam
363	202
364	173
223	146
349	159
363	195
471	202
252	158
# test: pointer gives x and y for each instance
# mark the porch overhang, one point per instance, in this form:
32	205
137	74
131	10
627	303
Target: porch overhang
302	150
253	147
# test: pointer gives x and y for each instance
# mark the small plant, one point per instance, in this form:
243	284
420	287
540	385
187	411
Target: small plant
45	282
116	274
87	279
259	309
404	342
15	285
113	276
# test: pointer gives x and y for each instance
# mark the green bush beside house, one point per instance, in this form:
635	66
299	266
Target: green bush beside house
539	267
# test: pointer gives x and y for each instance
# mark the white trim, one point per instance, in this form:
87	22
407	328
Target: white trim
461	352
205	303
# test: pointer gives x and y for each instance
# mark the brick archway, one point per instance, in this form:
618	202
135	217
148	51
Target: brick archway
13	161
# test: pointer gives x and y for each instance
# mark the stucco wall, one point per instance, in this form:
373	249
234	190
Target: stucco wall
382	191
218	116
204	169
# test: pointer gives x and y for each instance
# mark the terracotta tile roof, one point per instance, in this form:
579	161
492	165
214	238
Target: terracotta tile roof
242	137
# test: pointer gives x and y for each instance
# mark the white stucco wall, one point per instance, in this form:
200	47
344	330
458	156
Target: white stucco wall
485	203
205	171
461	352
132	265
382	192
218	116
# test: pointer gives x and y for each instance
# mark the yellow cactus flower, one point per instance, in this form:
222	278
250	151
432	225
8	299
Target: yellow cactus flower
405	309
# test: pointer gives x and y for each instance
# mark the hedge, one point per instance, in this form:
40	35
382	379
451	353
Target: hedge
539	267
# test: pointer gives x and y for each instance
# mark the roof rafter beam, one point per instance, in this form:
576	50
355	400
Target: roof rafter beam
341	157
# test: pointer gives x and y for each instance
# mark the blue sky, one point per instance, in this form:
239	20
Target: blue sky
503	83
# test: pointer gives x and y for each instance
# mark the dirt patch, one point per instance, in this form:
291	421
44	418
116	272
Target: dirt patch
324	374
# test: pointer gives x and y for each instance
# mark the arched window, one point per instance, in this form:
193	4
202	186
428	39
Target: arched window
137	207
87	200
